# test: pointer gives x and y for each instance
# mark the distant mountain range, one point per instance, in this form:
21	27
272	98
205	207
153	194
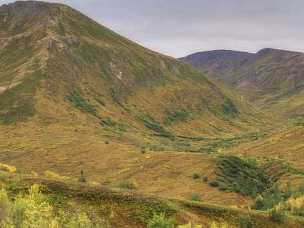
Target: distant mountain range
270	77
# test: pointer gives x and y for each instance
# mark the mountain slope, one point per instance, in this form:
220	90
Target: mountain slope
53	56
77	96
272	77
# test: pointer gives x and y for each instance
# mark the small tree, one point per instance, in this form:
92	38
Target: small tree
82	178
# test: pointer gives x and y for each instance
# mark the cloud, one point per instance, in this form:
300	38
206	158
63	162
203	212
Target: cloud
180	27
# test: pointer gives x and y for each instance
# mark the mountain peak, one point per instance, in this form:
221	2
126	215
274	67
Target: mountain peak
27	8
267	51
25	14
32	5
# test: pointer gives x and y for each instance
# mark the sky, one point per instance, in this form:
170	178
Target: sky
180	27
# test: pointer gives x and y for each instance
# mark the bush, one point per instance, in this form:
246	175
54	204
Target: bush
175	116
196	176
160	221
229	108
242	176
278	216
143	150
214	184
269	199
245	222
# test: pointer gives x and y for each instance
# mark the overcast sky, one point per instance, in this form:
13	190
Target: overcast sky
181	27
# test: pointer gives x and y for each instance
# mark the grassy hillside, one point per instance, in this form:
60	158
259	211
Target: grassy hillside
152	133
75	73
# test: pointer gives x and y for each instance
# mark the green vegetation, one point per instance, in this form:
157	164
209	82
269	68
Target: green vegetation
246	222
17	104
278	216
160	221
229	108
34	209
155	126
214	145
196	176
270	199
242	176
81	103
175	116
298	121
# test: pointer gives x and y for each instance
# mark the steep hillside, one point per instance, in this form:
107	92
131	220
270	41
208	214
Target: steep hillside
57	65
272	77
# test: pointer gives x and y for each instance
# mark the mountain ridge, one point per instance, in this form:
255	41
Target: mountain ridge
268	76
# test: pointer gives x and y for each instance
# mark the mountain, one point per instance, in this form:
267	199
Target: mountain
58	64
128	136
81	96
220	63
274	78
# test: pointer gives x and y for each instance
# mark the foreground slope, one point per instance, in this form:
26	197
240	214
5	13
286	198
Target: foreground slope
61	201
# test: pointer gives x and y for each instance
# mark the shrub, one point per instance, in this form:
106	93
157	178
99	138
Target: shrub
214	183
245	222
196	176
143	150
278	216
269	199
229	108
175	116
82	178
242	176
160	221
205	179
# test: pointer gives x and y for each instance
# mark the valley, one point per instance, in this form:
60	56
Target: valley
200	139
